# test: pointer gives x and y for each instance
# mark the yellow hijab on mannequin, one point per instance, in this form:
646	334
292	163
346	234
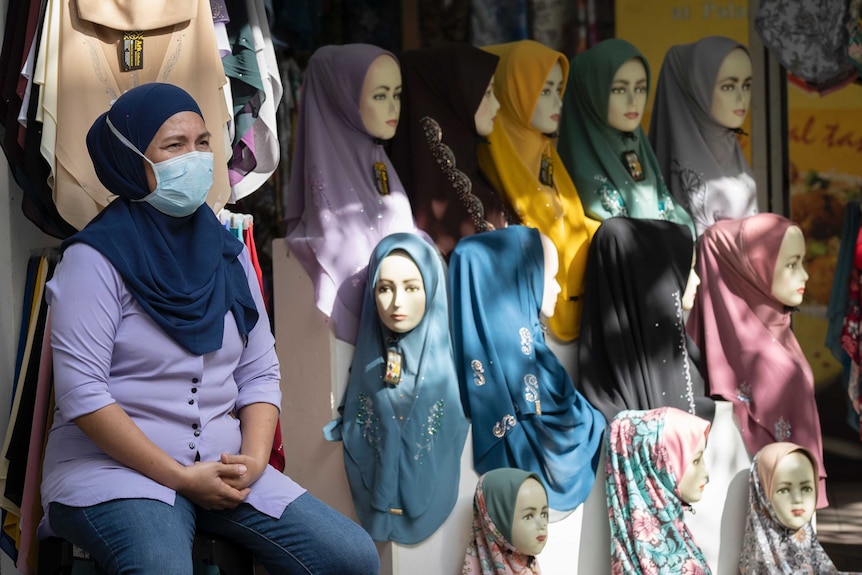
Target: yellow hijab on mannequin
513	162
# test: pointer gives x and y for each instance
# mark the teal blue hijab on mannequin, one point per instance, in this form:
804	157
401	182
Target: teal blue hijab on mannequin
403	443
524	408
592	149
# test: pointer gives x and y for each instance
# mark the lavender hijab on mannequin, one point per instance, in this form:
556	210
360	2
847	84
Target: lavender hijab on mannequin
335	214
700	158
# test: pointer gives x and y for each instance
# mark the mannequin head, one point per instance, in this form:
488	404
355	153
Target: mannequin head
732	94
789	278
552	287
380	100
794	490
695	477
546	114
517	503
487	111
690	286
399	292
530	521
628	96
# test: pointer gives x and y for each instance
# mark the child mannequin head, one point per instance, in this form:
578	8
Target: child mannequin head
788	480
517	503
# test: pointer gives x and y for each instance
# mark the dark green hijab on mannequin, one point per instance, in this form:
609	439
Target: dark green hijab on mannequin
592	150
501	487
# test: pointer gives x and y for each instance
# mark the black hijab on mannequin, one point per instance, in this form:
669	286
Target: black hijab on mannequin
434	149
634	352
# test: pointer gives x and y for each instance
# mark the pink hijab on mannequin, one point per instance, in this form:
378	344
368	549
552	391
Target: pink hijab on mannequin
752	358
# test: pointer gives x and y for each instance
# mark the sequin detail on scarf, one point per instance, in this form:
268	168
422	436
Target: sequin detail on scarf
461	183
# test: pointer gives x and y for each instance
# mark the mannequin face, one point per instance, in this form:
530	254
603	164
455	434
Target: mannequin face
530	523
552	287
690	287
628	96
400	293
487	111
546	114
788	281
732	95
380	102
794	492
695	477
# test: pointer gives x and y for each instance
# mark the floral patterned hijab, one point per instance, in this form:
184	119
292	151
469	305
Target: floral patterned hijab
647	453
769	548
489	551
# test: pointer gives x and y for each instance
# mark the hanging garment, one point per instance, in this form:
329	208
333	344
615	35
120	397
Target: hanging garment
647	454
442	23
256	90
403	434
335	212
179	47
770	548
490	550
701	160
435	147
523	166
598	156
808	37
498	21
758	367
524	408
633	350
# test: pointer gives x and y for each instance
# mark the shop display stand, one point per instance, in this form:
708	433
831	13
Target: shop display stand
314	370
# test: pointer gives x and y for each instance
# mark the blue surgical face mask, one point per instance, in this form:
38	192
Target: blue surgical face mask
182	183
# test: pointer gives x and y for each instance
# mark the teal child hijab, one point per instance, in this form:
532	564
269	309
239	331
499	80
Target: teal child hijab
593	151
403	442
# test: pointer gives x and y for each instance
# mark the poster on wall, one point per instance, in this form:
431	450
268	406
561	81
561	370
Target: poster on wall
825	145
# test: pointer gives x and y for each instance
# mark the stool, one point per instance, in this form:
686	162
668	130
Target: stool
56	555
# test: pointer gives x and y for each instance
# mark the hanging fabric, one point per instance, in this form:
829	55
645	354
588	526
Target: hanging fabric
810	39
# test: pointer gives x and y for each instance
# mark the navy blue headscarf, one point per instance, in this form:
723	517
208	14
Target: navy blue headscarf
183	271
523	406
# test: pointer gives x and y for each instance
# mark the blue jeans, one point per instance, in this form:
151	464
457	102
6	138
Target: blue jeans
146	536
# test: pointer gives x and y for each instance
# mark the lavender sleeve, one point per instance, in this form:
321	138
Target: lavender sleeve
86	310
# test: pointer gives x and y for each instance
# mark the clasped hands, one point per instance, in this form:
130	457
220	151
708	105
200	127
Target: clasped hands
220	484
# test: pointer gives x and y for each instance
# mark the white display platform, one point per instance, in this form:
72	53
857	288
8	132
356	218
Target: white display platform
314	368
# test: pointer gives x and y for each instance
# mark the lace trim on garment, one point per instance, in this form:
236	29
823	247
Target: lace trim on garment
460	182
689	387
693	190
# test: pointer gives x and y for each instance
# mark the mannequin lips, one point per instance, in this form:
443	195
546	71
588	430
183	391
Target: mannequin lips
398	317
392	123
797	512
801	290
541	538
632	115
555	117
740	112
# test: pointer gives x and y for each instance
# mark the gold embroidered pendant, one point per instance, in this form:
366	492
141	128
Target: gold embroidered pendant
546	174
393	368
131	51
381	178
633	165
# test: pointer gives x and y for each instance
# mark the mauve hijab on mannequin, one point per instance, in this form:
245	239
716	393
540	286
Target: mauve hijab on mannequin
701	159
750	353
435	147
335	214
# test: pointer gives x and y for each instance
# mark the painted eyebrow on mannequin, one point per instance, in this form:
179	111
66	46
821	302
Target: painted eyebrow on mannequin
734	79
